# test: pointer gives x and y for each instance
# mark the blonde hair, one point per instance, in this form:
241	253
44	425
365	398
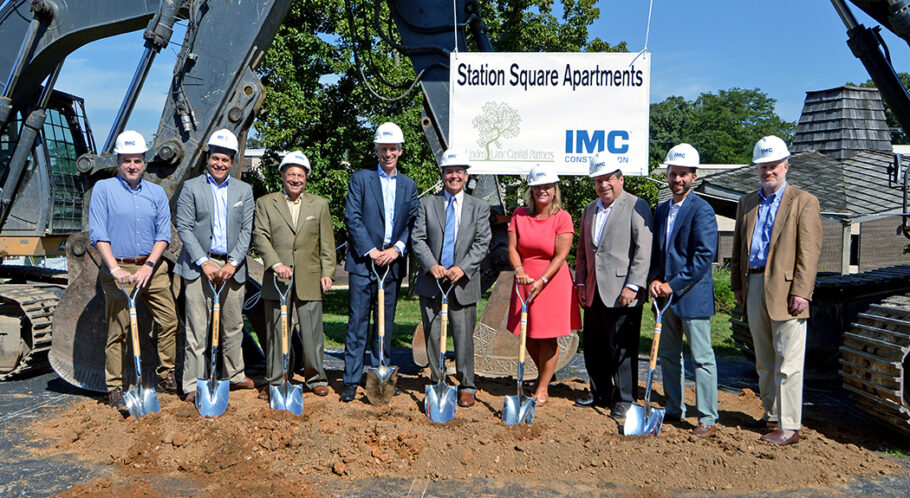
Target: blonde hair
531	206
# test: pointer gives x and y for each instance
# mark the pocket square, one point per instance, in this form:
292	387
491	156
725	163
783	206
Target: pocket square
238	203
310	218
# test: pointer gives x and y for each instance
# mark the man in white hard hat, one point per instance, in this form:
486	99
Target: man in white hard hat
294	234
214	222
777	241
611	270
130	225
451	238
685	243
379	213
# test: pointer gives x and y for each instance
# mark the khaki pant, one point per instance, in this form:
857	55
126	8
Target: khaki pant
780	350
199	299
309	317
160	300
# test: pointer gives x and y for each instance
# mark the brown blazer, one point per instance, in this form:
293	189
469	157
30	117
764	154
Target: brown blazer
309	247
793	251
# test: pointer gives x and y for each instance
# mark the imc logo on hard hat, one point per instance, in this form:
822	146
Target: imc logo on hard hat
129	142
539	174
386	133
679	154
767	150
601	164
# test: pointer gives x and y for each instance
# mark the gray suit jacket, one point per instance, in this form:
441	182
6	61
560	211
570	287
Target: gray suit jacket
471	244
195	207
624	253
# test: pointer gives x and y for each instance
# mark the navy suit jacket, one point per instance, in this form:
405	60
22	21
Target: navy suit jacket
686	263
364	217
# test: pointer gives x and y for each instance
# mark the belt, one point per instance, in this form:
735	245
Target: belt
753	271
219	257
132	261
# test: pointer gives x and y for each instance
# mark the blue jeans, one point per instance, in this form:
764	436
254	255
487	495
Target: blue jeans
698	332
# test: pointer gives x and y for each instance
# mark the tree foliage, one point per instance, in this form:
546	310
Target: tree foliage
723	126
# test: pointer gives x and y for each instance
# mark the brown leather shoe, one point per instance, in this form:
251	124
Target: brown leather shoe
760	424
780	438
466	399
703	430
191	397
246	383
321	390
263	393
168	384
115	399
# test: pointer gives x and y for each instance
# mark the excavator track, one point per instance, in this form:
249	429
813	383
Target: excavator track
875	362
26	313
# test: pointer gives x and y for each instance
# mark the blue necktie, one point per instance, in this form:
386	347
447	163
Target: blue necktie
448	240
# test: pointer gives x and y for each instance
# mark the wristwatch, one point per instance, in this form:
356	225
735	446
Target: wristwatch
149	262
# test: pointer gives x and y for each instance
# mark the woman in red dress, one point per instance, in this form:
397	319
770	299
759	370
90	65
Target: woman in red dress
540	237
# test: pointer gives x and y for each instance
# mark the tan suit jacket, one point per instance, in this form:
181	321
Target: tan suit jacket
309	247
623	255
793	251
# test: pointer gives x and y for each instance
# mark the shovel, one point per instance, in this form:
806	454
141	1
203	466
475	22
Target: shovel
286	396
641	420
212	394
139	400
439	402
380	386
520	408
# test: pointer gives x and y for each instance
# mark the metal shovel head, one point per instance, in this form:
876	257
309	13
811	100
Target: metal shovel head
640	424
440	403
141	401
380	385
286	396
212	396
518	409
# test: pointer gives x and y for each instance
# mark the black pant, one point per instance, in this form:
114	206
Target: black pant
611	337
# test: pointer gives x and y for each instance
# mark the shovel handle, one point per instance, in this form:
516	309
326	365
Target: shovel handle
524	336
134	330
655	344
444	324
284	328
216	323
380	298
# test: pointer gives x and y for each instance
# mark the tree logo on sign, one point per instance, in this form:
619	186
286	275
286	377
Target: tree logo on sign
496	121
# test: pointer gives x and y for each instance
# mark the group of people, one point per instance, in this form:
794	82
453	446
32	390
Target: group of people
625	255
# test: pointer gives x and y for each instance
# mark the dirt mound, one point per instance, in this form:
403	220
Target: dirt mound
252	449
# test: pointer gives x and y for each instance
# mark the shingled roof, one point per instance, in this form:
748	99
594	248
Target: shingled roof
840	122
852	187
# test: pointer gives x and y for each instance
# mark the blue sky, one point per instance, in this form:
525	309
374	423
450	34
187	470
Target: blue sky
785	48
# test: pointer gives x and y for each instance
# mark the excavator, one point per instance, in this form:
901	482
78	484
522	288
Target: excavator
49	160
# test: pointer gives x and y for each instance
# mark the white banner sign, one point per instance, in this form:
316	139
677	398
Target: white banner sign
510	111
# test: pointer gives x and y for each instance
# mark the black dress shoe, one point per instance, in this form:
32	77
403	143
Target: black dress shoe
349	392
760	424
586	400
619	411
673	417
397	392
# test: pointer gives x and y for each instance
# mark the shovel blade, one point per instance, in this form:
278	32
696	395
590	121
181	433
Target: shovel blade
518	409
440	403
380	385
638	423
141	401
212	396
286	397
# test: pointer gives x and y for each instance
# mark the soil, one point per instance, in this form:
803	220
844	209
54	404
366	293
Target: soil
252	449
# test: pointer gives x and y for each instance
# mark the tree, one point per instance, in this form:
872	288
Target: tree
898	134
723	126
497	121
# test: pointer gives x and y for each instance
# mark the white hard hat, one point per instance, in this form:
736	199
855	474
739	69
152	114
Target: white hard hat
130	142
542	174
389	133
682	155
769	149
454	157
601	165
223	139
295	158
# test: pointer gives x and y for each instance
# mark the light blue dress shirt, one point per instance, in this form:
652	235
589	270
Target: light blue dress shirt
764	223
388	185
219	220
131	220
